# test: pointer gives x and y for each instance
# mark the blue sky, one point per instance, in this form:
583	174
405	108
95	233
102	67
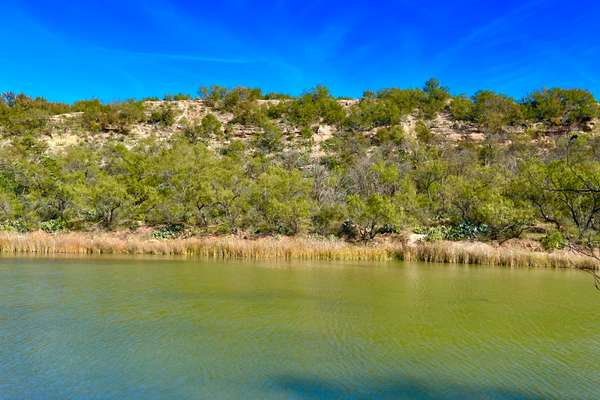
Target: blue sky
68	50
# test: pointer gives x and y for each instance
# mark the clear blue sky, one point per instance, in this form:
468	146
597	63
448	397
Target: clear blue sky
118	49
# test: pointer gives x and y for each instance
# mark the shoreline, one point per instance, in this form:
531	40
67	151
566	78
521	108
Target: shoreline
286	248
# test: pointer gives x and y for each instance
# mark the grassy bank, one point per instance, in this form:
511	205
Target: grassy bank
216	247
485	254
286	248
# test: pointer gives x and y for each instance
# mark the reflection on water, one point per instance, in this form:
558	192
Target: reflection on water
155	329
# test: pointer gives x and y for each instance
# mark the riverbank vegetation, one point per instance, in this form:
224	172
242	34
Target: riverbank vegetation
240	163
230	247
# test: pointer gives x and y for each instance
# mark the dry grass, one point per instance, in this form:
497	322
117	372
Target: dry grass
296	248
220	247
481	253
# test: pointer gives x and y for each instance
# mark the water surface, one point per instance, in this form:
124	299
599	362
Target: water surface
157	329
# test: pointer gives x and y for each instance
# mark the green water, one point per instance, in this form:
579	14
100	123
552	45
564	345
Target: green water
168	329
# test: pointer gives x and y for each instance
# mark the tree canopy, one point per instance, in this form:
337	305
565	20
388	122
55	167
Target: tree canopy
371	175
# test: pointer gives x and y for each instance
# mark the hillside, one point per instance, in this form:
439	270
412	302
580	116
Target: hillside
64	130
394	162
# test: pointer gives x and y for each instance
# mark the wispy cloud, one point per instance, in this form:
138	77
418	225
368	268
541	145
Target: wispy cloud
182	57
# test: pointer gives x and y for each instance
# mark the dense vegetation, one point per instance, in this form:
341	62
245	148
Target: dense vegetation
536	169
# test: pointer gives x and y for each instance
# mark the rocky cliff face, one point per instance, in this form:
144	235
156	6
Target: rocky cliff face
64	130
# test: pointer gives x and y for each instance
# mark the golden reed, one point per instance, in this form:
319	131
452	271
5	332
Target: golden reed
285	248
482	253
217	247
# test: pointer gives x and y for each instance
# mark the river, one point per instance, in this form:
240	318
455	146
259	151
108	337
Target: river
110	328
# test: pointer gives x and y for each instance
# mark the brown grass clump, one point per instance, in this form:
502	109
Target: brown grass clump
215	247
287	248
481	253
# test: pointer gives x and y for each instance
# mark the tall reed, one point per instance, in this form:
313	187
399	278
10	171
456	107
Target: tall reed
216	247
481	253
286	248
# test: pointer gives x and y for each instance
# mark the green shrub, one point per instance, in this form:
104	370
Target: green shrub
348	230
164	115
234	149
461	108
209	127
315	106
424	134
463	231
561	106
169	231
118	117
436	233
495	111
176	97
393	134
553	241
269	140
53	225
467	231
16	225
